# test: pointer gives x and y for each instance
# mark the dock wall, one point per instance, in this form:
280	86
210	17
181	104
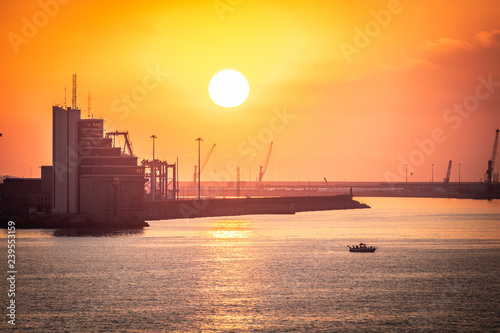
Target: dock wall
163	210
181	209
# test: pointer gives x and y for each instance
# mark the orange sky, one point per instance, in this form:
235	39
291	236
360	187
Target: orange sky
345	89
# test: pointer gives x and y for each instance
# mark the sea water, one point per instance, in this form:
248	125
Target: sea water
436	269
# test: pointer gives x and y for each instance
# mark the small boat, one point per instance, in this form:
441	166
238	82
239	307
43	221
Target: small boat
361	248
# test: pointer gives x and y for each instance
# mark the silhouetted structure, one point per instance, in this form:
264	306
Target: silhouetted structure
101	166
491	176
91	176
65	159
160	181
263	167
25	196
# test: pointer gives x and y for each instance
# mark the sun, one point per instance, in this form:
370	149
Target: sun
228	88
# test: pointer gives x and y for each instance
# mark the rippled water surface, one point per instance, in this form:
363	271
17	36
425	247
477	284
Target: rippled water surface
436	269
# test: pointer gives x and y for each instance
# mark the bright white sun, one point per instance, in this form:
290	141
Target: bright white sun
228	88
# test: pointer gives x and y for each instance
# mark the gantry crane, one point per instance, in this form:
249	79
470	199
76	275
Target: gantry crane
202	167
127	145
448	173
263	167
490	173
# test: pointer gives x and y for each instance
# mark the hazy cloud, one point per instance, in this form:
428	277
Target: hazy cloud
448	45
489	39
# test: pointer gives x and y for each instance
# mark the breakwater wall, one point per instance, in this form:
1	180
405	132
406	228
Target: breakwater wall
164	210
178	209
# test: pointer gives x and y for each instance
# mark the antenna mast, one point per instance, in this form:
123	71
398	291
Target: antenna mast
65	97
88	110
73	101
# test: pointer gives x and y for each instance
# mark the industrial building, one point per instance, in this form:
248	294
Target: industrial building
25	196
92	181
91	175
65	159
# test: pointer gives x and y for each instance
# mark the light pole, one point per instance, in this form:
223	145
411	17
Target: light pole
406	173
459	164
432	173
153	170
199	170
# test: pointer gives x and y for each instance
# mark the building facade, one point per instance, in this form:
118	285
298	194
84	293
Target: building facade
65	159
90	175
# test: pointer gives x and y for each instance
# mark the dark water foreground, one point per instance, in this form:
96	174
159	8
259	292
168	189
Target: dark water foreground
437	269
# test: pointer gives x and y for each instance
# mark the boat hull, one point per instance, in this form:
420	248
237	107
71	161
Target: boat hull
363	250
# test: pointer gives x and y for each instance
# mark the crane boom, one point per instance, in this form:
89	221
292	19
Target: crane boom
207	158
494	155
490	173
263	167
202	167
448	173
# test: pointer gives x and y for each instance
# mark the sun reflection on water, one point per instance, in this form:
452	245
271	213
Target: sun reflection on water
229	285
227	230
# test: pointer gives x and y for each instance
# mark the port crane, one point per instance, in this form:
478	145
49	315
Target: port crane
202	167
326	181
263	167
490	173
126	146
448	173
